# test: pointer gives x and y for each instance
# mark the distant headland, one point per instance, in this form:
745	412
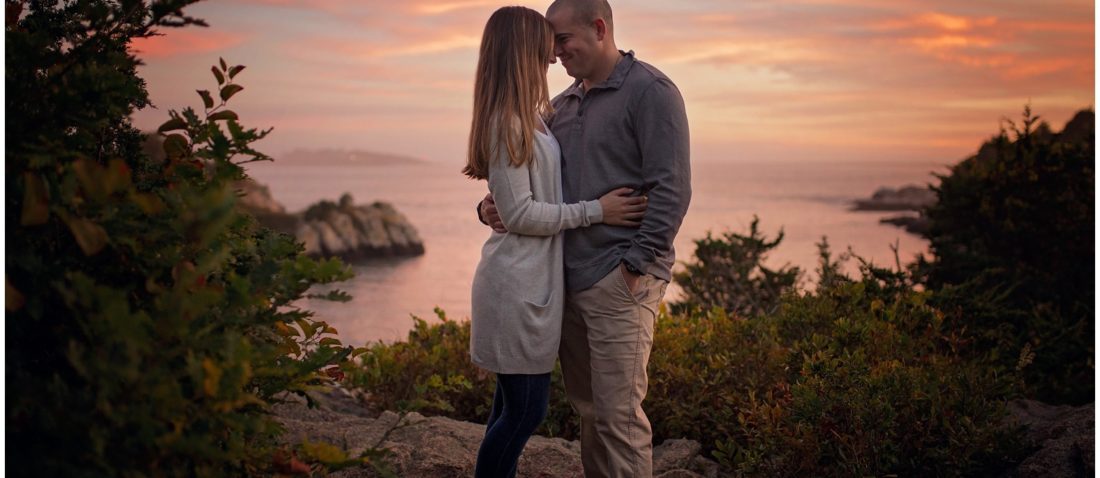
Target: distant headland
344	157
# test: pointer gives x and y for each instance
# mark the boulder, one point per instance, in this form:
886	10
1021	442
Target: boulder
310	238
1063	438
442	447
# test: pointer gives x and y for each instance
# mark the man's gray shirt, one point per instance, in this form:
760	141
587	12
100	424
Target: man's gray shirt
631	130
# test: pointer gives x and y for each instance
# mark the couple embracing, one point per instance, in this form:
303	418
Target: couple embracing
587	192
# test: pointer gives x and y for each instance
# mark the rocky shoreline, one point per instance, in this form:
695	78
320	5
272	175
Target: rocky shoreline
337	229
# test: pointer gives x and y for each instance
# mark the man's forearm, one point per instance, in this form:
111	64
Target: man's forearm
662	220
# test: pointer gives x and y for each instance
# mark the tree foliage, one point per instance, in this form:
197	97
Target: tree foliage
150	323
729	273
1012	243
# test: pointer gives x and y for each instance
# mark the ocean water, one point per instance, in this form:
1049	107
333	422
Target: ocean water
805	200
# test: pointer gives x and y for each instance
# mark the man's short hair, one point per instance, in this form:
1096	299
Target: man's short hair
585	11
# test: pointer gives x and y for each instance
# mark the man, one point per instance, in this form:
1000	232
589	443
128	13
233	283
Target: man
621	123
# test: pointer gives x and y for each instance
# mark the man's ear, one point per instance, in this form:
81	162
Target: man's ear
601	28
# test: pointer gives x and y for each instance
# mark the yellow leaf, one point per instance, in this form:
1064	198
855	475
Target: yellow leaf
284	329
323	452
149	203
91	237
877	305
91	177
213	376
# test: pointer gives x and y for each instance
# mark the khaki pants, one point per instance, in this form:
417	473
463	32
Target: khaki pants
607	334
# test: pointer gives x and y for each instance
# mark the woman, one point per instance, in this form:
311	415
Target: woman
519	284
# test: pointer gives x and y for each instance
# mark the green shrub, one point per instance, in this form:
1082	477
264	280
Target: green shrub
431	373
859	377
729	272
149	323
1012	239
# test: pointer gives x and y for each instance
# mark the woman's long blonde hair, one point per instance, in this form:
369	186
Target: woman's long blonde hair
510	91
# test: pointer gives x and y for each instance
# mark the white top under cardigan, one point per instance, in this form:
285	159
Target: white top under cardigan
518	289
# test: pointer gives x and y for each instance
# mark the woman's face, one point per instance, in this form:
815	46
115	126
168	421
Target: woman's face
550	54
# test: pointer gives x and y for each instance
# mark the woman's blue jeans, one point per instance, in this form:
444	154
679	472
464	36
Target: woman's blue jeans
519	405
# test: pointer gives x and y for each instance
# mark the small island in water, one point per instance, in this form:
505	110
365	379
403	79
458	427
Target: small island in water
341	229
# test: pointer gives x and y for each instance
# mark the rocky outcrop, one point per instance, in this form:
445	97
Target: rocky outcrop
442	447
908	198
1062	435
344	229
256	197
912	224
357	232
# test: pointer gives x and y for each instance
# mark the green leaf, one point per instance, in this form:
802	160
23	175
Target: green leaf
149	203
222	115
218	75
118	176
307	328
36	202
176	146
172	125
329	341
222	62
236	69
207	100
229	91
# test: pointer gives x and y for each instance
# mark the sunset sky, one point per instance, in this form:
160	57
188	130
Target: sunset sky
763	80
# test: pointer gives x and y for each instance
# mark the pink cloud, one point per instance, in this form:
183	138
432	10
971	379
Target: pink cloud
177	42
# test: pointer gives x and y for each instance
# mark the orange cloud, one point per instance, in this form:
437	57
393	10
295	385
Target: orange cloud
954	22
435	45
916	78
439	8
176	42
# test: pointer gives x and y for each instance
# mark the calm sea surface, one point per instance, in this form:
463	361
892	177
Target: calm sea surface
806	200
